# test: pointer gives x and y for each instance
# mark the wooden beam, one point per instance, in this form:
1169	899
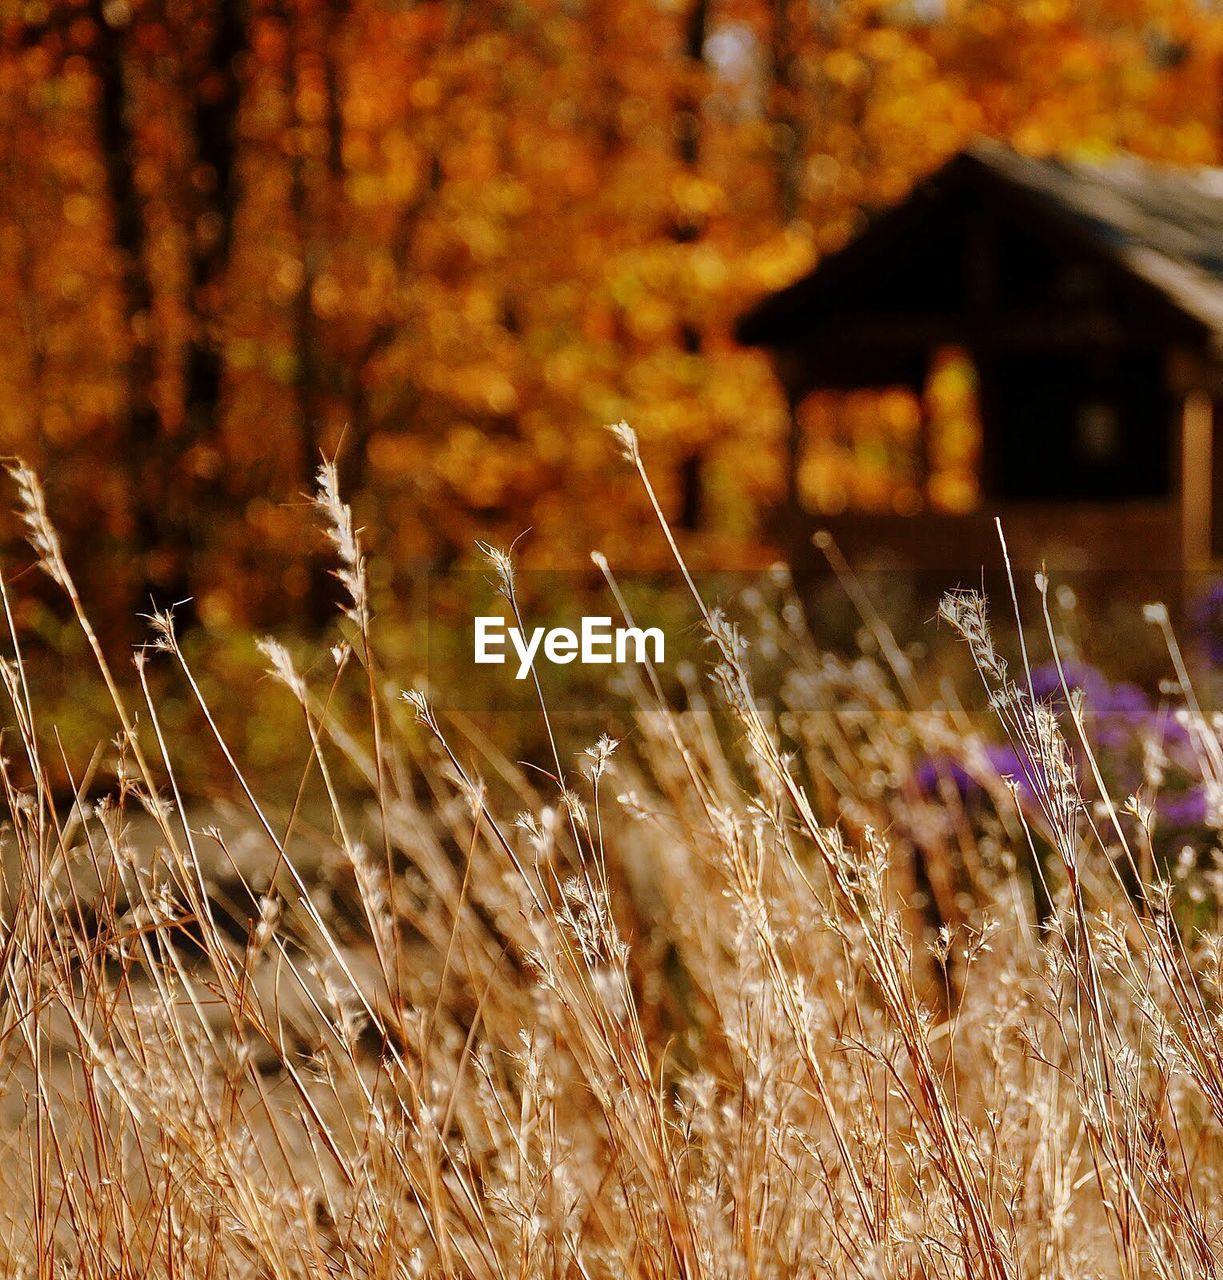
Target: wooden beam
1194	371
789	373
1035	328
1197	479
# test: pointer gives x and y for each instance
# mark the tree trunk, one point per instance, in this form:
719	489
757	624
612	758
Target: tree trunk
196	464
687	231
319	599
142	429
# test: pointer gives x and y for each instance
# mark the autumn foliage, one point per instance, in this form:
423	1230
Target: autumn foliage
452	240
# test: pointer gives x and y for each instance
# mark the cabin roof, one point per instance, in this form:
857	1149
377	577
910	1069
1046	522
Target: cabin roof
1161	224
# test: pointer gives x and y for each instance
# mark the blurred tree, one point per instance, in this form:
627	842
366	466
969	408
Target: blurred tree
140	434
212	73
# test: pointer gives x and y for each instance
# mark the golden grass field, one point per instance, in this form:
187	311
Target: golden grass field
806	985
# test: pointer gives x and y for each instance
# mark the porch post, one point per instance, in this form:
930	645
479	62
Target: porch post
925	461
787	368
1197	479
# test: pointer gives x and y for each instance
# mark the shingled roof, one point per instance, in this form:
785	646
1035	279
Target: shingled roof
1162	223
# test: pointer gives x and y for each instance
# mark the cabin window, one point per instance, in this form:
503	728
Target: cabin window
894	450
1098	429
862	451
1078	426
953	417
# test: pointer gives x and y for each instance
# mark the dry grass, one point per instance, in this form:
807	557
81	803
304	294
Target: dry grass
677	1017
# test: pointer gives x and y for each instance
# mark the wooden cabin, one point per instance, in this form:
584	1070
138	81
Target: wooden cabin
1089	300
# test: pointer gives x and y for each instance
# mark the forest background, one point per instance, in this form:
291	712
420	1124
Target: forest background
450	240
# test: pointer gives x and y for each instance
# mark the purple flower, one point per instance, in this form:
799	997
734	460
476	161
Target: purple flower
1004	760
1012	765
1121	712
932	769
1182	808
1047	682
1118	711
1171	731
